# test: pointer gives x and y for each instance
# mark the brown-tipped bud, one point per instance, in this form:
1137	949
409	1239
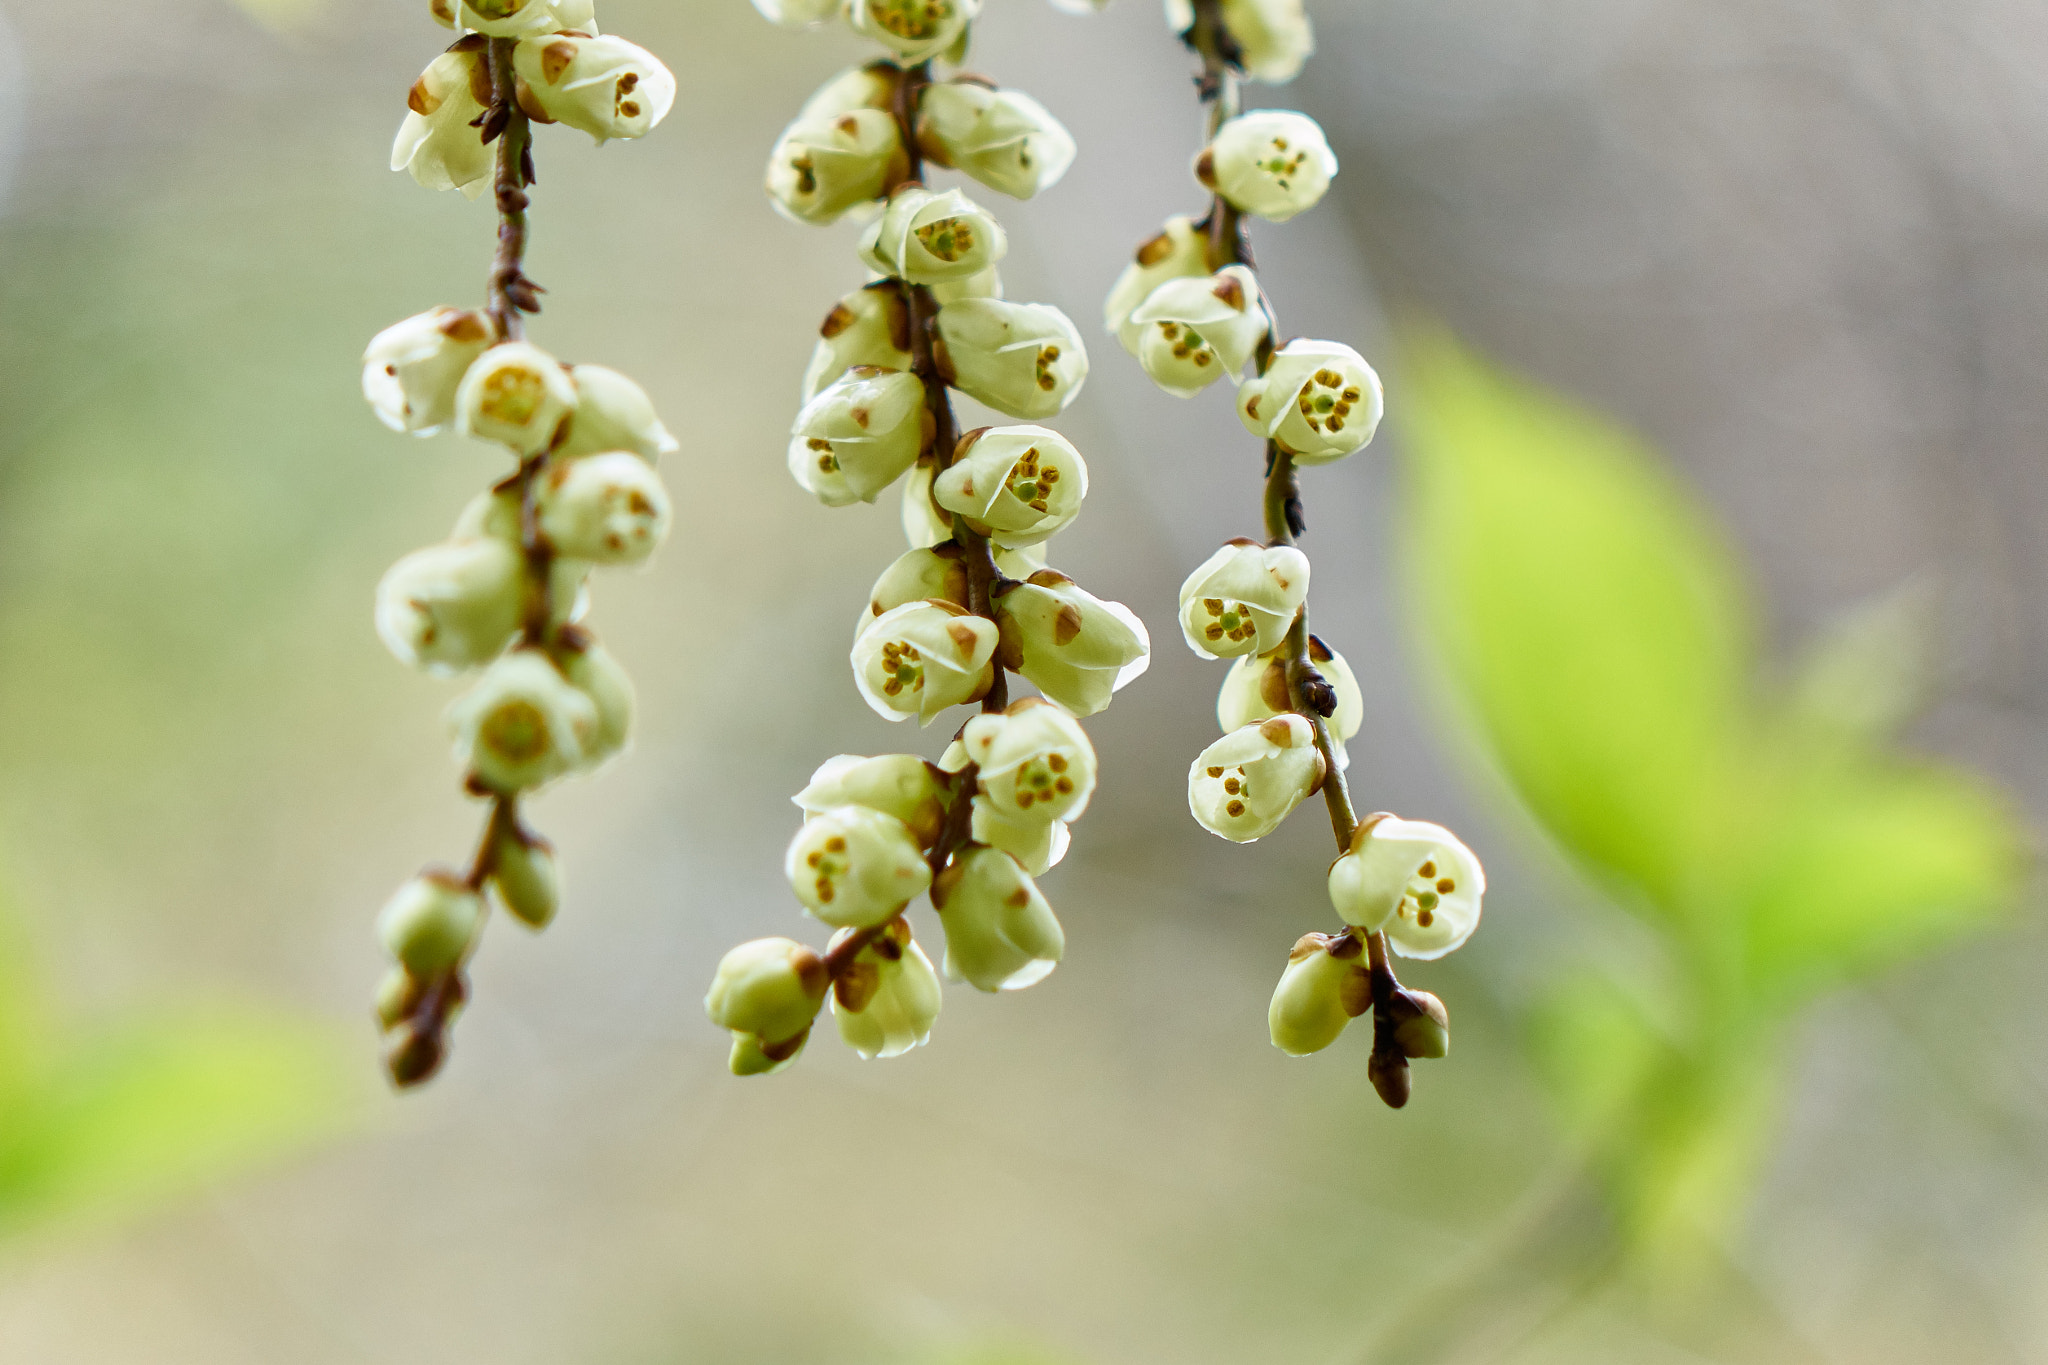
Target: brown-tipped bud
1389	1075
413	1056
1421	1024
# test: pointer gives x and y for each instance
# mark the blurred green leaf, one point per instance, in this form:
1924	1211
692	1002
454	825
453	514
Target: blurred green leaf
1589	620
167	1103
1594	1046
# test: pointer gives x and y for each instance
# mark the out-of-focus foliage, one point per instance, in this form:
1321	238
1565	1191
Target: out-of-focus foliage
1593	628
153	1105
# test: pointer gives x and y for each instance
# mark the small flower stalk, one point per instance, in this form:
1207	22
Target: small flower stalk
500	602
972	604
1190	309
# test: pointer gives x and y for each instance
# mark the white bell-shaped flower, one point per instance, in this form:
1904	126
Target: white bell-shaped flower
1412	881
1178	251
919	576
872	86
798	13
1318	400
439	142
859	434
1242	599
603	86
1022	359
1037	845
928	238
1270	163
522	724
443	12
1246	783
595	672
869	327
1000	933
517	394
1073	646
886	1002
983	284
1015	485
821	167
855	867
428	923
452	606
607	509
1003	138
923	657
1326	986
1033	761
766	994
612	413
522	18
526	876
1195	331
1256	688
1273	36
900	785
412	369
912	29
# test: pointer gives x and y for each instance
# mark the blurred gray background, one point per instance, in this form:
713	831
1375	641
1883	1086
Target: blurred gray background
1801	245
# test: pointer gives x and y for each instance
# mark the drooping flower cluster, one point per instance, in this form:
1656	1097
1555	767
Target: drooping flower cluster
972	600
501	601
1190	309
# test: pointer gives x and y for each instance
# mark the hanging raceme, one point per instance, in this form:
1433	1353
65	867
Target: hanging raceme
1191	310
972	600
504	595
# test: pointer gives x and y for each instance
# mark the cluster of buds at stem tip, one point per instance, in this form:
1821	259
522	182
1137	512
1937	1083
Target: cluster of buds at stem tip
1190	309
502	599
972	602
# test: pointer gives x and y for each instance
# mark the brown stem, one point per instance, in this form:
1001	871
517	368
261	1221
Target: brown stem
510	292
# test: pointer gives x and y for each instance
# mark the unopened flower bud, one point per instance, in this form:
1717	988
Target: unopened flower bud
1243	599
397	995
1178	250
854	867
900	785
1325	987
428	924
1015	485
443	12
886	1003
912	29
1022	359
872	86
1003	138
526	876
1271	163
1411	880
595	672
1033	761
922	657
928	238
1000	933
821	167
412	368
1072	645
1318	400
918	576
603	86
516	394
612	413
439	142
1273	37
1195	331
1246	783
766	994
1390	1078
607	509
452	606
1037	845
859	434
523	724
870	327
797	13
1256	688
1422	1026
